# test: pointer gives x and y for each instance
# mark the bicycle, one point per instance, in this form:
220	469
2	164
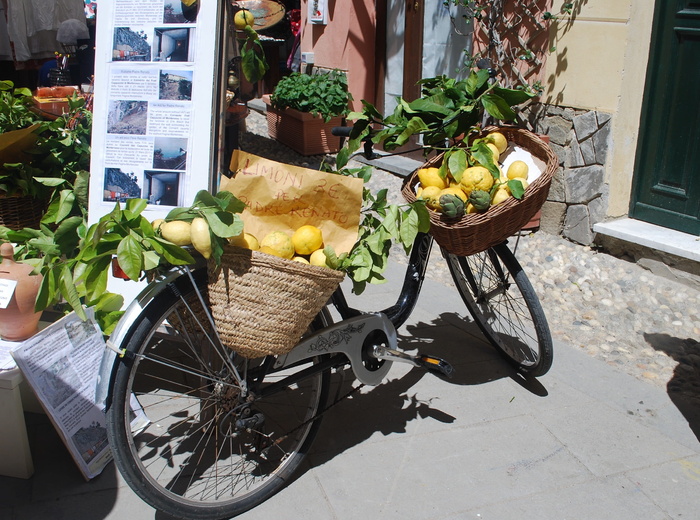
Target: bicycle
201	433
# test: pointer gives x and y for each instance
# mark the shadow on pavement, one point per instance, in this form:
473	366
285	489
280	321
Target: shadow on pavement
684	386
390	406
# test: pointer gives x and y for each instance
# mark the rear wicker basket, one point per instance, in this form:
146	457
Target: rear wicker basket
476	232
262	304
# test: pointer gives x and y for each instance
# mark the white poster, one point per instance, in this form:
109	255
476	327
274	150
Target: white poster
154	103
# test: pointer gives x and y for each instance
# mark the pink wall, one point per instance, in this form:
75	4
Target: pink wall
346	43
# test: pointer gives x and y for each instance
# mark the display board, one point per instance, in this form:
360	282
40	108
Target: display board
154	103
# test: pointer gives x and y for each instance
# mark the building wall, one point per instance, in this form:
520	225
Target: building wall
346	43
600	64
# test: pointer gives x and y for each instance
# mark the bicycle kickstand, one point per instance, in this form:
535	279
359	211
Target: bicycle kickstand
430	363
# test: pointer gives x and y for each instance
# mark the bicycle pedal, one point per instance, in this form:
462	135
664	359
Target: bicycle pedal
436	364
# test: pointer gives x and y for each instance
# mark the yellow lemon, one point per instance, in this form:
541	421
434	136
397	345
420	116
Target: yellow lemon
318	258
494	151
278	242
300	259
431	195
471	208
307	239
157	223
518	169
243	18
245	240
499	140
501	195
177	232
476	178
522	181
454	189
201	238
431	177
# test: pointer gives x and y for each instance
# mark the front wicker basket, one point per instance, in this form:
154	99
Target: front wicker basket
476	232
262	304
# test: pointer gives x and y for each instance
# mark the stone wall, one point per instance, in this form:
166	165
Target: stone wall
578	197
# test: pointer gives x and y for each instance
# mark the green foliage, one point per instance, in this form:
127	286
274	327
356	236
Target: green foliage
381	225
325	95
253	63
14	107
447	111
75	260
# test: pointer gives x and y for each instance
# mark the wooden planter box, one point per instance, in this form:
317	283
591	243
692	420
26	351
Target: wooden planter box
302	132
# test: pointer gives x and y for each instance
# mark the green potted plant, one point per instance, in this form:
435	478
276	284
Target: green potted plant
304	108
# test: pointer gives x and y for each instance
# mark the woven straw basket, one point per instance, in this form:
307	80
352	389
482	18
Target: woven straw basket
476	232
262	304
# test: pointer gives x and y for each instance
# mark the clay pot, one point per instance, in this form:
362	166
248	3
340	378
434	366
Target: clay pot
18	321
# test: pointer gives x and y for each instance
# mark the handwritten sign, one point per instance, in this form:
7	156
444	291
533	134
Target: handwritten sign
7	289
282	197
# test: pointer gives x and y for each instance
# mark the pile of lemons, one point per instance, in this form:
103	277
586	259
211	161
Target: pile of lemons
304	245
475	180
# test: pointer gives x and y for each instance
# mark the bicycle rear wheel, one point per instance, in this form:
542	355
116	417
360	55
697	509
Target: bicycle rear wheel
187	436
505	306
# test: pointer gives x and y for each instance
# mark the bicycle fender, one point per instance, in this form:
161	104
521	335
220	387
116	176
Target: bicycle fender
347	337
122	331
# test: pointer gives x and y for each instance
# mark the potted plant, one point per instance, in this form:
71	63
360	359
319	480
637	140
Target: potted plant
43	164
304	108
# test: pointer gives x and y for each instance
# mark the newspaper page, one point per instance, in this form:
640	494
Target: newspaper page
61	364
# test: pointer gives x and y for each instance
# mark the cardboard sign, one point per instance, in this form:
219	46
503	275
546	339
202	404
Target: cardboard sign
281	197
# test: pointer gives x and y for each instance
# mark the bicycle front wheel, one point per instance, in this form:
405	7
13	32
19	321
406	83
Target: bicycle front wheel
505	306
197	431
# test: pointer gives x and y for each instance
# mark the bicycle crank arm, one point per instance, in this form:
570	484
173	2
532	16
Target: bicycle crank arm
352	337
431	363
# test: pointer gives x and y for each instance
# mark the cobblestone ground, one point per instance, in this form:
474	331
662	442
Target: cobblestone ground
612	309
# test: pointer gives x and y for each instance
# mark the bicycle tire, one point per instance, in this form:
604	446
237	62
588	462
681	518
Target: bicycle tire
192	460
504	305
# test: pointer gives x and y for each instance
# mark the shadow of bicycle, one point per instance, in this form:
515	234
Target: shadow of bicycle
389	407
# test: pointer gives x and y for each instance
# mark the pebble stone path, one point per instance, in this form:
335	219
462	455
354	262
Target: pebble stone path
614	310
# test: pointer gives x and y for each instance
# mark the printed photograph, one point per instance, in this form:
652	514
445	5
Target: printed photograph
172	44
169	153
127	117
120	185
161	188
130	45
175	85
180	11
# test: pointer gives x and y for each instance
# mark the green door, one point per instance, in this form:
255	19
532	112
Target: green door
666	187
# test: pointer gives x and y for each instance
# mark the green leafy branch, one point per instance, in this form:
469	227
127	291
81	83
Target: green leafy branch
253	63
381	224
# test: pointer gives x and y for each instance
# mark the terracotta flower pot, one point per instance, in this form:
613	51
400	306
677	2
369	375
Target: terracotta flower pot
18	321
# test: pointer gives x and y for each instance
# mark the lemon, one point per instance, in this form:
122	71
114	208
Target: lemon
501	195
243	18
499	140
177	232
245	240
431	177
454	189
431	195
318	258
201	238
476	178
471	209
518	169
300	259
307	239
494	151
157	223
522	181
279	243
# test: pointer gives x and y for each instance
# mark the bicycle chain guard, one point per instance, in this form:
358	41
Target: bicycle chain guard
350	337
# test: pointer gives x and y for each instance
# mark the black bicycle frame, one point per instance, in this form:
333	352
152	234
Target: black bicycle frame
410	290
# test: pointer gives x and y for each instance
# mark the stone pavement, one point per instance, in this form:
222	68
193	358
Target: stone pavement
585	441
